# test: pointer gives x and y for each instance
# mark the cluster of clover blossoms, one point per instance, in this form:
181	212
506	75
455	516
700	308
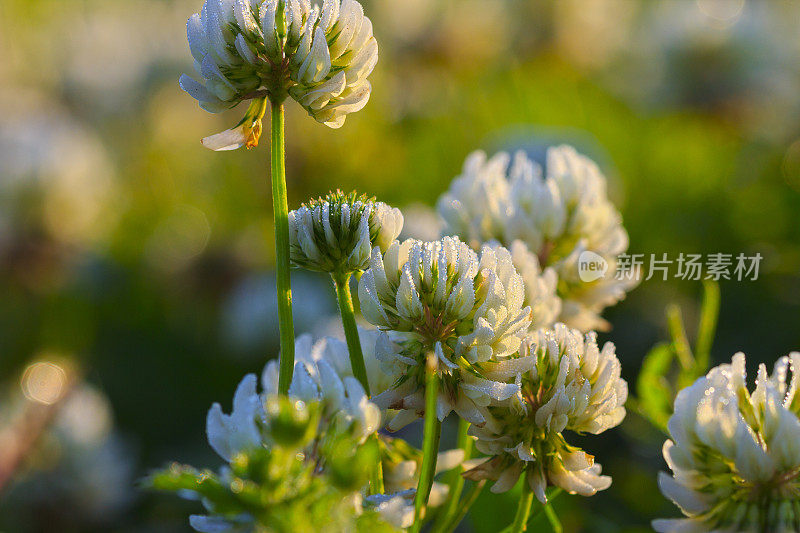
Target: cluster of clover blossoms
492	322
297	455
735	454
458	324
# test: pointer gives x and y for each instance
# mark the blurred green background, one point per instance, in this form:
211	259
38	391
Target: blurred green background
143	260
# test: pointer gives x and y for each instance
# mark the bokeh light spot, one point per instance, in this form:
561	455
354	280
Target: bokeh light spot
43	382
724	11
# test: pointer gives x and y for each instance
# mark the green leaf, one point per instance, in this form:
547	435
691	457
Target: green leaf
679	341
709	313
186	479
653	388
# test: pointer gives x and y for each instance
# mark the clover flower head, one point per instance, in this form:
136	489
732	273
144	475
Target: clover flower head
342	400
735	454
337	233
565	382
321	56
584	302
557	212
442	298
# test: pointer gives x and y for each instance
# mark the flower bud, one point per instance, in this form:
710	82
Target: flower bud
289	422
337	233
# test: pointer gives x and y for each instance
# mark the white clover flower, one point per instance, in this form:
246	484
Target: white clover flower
583	302
251	49
396	509
315	379
565	382
557	213
441	297
735	455
240	430
337	233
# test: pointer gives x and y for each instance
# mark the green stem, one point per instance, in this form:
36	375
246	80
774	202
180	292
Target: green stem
280	209
430	446
553	494
376	477
523	508
552	517
469	499
345	299
342	283
456	481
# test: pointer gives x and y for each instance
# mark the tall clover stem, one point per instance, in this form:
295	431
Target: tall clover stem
523	508
376	476
280	209
345	299
430	445
456	481
342	283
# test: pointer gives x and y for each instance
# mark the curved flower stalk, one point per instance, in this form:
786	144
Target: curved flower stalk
735	454
321	56
565	382
558	213
315	380
336	234
441	297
